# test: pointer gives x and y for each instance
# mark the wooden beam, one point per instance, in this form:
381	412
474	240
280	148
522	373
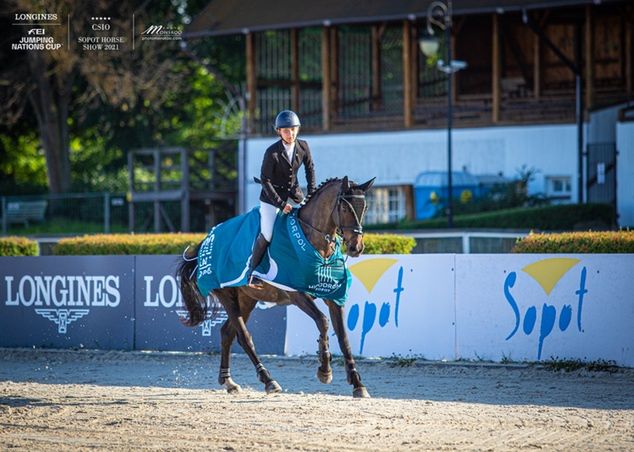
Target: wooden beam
415	63
495	72
334	69
537	67
251	81
589	58
294	70
628	55
326	82
408	101
375	46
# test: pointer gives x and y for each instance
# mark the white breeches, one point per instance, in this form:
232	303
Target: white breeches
268	213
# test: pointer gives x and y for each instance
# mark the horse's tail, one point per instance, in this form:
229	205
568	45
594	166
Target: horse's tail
195	302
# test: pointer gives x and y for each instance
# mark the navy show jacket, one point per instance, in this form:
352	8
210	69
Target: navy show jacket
279	175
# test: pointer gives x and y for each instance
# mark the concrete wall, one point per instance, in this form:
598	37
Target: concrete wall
396	158
625	173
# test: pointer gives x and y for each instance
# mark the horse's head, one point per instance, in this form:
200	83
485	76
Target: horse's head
349	212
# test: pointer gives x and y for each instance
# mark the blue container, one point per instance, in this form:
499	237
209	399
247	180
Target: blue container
430	191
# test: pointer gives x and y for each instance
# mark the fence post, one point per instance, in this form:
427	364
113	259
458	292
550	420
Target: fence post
466	243
106	212
4	214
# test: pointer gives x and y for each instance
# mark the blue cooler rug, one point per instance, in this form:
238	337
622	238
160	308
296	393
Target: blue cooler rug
291	262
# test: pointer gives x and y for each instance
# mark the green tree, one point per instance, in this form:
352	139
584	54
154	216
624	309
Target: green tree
52	84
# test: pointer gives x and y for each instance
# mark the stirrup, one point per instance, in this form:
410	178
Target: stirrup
254	282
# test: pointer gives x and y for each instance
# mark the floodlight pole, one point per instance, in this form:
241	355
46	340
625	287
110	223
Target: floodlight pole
439	13
449	118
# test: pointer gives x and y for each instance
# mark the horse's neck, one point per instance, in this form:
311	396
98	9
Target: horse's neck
316	216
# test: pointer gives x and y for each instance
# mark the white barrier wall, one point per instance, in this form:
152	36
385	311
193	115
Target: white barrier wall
492	307
539	307
397	304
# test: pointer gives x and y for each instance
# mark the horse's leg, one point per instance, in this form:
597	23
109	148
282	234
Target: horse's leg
238	308
307	304
227	335
354	378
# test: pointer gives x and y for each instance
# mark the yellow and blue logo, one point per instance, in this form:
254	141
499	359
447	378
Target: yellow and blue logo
369	272
546	273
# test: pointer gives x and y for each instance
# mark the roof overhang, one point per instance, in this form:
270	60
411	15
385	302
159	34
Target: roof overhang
229	17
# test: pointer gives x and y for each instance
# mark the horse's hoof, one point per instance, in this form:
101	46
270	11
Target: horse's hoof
272	387
360	393
232	387
324	377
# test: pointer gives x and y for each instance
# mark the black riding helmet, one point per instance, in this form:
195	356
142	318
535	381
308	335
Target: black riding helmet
286	118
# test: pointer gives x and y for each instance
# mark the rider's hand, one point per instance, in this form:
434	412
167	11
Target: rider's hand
287	208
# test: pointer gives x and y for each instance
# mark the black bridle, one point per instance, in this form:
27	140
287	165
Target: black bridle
358	217
357	228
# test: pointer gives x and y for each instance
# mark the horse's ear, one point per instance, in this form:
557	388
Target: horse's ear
345	184
365	187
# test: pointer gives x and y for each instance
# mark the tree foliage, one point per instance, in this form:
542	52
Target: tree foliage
77	112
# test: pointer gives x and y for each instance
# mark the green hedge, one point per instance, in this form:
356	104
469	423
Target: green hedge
577	242
18	246
116	244
564	217
388	244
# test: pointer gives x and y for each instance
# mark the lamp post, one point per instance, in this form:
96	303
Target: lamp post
439	14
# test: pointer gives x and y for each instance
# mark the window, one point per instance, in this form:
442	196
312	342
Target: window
559	188
385	205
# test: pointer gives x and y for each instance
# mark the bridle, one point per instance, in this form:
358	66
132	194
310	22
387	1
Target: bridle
357	228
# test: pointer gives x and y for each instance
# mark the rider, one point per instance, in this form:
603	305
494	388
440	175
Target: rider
279	179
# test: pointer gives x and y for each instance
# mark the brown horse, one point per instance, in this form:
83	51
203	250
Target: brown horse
337	206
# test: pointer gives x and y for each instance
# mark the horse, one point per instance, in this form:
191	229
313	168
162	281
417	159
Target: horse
337	206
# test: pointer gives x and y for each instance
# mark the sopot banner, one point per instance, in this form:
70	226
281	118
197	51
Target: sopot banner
535	307
485	307
64	302
397	305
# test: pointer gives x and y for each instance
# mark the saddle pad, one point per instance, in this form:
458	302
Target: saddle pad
291	260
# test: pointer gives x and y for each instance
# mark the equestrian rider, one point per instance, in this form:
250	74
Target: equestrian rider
279	179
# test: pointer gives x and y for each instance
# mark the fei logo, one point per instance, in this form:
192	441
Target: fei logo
547	273
369	272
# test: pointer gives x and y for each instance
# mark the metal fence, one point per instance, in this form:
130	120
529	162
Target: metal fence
64	214
467	242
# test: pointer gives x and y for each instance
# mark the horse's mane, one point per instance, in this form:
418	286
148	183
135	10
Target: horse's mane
321	186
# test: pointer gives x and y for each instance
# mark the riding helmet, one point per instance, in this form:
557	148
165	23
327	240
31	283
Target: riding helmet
286	118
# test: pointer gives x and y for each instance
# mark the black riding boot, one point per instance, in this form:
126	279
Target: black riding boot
259	248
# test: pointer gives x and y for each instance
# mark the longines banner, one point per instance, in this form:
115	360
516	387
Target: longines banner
112	302
64	302
159	310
